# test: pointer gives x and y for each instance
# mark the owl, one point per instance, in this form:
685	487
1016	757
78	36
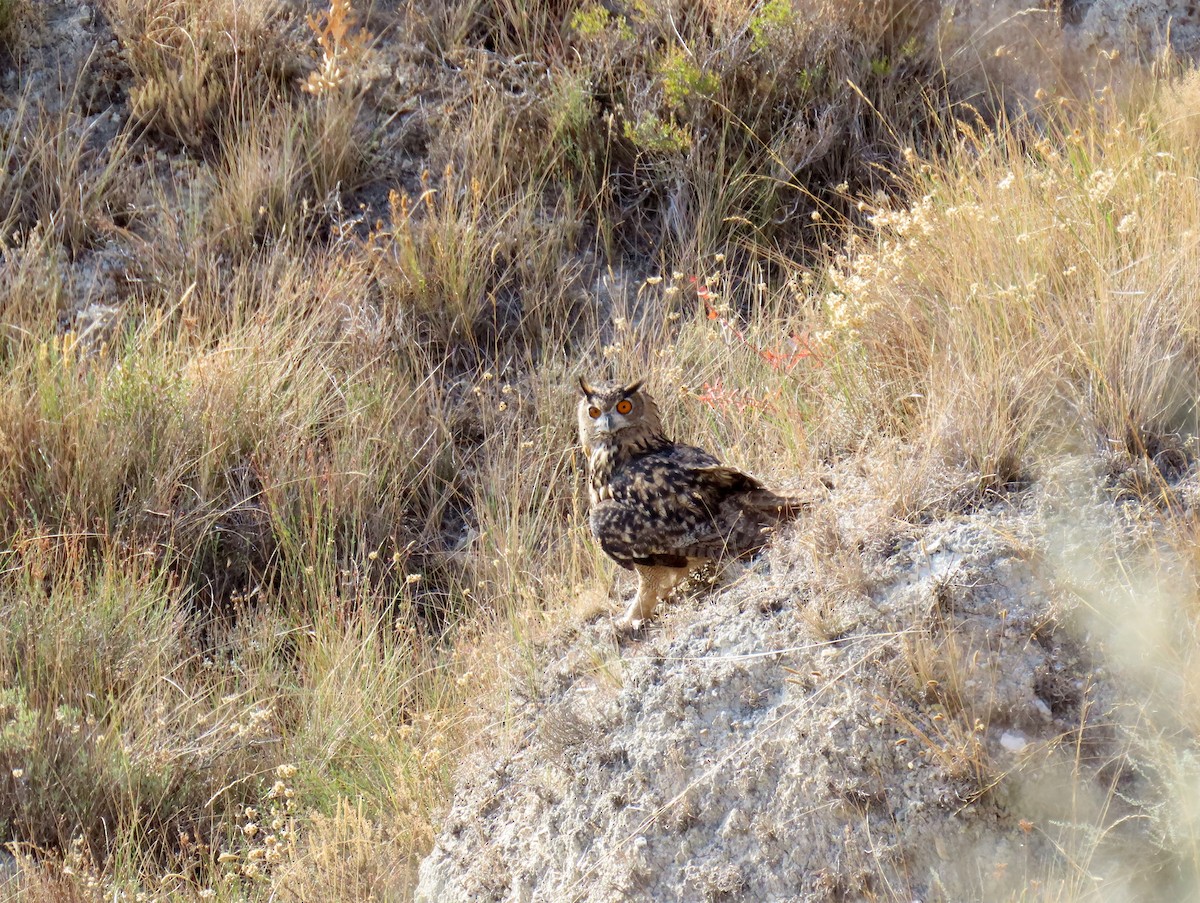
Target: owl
660	508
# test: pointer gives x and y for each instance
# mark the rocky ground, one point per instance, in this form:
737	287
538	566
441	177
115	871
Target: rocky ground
937	716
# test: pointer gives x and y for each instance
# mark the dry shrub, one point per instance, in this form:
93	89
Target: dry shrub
282	174
351	852
238	436
196	64
337	146
957	693
471	269
685	131
345	50
260	193
282	152
32	291
339	151
129	749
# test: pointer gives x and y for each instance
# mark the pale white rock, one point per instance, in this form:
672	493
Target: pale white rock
1013	741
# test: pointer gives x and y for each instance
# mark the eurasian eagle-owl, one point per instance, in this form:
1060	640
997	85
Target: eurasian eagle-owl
661	508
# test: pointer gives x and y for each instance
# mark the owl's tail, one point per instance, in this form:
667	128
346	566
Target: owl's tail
750	513
772	509
755	517
762	513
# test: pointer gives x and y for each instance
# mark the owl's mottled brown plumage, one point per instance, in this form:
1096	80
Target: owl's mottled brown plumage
662	508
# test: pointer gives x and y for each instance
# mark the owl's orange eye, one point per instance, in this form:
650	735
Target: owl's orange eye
624	406
593	412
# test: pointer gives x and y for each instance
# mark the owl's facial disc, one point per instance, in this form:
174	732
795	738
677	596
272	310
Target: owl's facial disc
608	409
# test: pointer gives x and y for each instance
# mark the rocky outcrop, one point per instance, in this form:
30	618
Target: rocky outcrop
1141	29
923	717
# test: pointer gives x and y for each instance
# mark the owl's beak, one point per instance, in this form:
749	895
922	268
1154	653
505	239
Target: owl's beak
604	424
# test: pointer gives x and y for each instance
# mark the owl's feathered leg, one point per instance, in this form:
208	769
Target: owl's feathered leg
650	581
654	583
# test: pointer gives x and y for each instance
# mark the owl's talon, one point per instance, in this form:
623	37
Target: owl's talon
626	624
632	620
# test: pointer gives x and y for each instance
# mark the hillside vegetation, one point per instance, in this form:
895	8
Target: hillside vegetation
292	300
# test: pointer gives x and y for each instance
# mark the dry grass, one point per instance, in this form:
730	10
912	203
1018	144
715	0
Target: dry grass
15	17
58	176
276	526
1039	295
192	64
1038	298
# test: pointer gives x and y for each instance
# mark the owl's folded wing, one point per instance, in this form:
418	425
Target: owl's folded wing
679	504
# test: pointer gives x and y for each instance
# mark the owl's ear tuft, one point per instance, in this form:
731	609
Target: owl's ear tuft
587	390
633	387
